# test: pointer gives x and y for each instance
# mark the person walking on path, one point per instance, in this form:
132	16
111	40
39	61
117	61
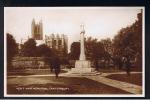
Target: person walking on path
127	65
56	66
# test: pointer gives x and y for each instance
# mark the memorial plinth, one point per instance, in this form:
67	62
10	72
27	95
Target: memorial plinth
82	67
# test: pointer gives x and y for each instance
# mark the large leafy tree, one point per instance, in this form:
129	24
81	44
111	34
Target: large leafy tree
98	51
128	42
12	48
90	46
94	48
108	48
44	51
75	51
29	48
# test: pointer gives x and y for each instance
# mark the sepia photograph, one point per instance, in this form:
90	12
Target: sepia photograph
74	52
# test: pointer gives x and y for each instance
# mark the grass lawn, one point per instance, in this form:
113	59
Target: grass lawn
133	78
62	85
110	70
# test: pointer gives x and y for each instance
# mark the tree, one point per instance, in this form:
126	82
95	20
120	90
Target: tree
107	45
44	51
94	49
75	51
98	51
89	47
29	48
128	42
12	48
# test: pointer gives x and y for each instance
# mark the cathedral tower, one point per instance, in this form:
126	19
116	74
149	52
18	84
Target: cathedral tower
37	30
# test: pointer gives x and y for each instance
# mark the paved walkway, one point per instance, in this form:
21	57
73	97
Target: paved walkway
131	88
107	74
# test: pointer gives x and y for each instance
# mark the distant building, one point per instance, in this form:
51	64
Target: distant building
57	42
37	30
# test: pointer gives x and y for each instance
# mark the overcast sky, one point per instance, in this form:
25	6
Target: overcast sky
100	22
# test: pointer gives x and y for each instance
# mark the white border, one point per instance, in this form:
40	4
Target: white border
71	95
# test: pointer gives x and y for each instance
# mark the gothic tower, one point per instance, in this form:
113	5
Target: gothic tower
37	30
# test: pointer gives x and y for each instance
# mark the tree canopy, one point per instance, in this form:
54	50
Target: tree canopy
129	40
12	47
75	51
29	48
44	50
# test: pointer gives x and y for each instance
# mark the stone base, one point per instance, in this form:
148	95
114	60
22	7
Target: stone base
83	67
82	70
82	64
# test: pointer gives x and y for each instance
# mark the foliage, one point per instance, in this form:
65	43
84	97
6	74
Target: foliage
12	48
95	49
128	42
29	48
75	51
107	44
44	51
130	37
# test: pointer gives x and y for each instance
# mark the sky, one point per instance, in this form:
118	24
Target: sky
99	22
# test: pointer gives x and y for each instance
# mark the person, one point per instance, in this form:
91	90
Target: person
128	65
56	66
